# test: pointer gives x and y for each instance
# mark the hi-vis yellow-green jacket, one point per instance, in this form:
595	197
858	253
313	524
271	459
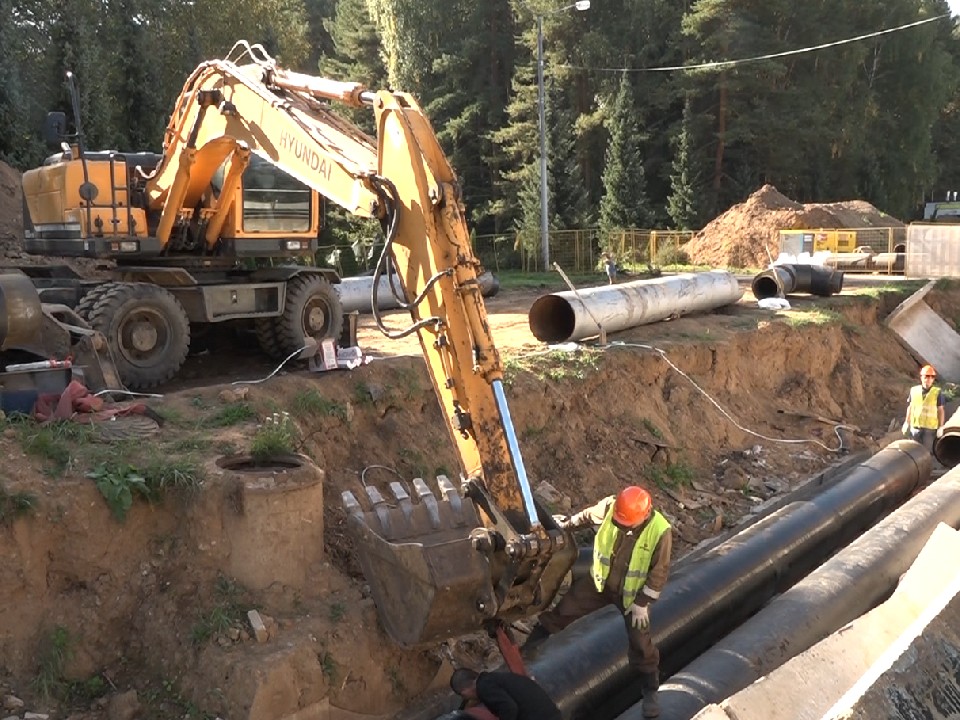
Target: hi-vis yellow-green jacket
639	565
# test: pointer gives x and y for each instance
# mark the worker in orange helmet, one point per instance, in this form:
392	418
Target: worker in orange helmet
631	561
925	409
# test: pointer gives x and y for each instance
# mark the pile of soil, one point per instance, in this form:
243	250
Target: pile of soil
747	235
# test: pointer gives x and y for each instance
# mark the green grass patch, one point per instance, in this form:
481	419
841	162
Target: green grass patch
651	428
232	414
55	652
15	505
547	281
337	611
56	443
275	437
674	475
554	365
313	403
170	472
119	484
814	316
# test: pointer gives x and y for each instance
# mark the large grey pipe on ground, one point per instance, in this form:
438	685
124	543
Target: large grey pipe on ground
356	293
785	279
566	316
946	448
584	668
851	583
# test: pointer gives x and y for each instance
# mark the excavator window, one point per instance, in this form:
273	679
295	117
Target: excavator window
273	201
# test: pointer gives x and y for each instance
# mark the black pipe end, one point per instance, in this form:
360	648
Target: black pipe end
765	286
552	319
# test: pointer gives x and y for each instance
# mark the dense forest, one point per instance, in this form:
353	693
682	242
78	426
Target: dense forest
646	125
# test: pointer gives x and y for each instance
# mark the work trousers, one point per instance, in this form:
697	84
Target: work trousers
924	436
582	599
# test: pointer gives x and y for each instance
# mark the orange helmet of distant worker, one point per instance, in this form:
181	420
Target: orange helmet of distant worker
928	371
632	507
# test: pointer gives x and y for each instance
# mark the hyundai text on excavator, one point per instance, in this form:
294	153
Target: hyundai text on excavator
249	147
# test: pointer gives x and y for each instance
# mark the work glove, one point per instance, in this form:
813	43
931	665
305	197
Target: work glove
562	521
639	616
940	432
905	429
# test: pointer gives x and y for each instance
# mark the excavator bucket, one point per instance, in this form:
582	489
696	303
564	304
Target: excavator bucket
428	581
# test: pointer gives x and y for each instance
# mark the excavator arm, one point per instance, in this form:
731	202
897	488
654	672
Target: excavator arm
441	561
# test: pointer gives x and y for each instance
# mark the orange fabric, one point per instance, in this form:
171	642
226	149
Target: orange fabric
79	404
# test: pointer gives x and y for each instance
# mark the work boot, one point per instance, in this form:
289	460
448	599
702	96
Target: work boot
650	684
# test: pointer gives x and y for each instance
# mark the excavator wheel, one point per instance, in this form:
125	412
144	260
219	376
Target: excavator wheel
312	309
266	332
146	328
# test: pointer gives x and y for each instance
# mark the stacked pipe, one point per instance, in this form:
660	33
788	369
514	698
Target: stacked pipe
946	448
584	668
782	280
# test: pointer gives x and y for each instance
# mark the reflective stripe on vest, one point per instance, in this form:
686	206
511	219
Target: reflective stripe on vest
923	408
640	560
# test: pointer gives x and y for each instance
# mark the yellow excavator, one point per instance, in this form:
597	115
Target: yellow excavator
249	147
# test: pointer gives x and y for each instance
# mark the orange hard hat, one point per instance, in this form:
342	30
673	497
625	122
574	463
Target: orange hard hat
928	370
632	506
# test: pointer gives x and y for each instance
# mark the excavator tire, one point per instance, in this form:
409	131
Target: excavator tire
312	309
146	328
266	332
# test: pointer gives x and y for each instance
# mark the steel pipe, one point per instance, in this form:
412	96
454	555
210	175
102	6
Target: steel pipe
566	316
356	293
584	668
851	583
786	279
946	448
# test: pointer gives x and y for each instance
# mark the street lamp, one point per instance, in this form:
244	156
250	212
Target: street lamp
580	6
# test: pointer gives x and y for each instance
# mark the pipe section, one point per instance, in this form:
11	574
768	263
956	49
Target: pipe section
786	279
356	293
946	448
566	316
584	668
846	586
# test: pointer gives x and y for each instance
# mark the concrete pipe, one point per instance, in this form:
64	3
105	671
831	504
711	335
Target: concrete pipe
946	448
566	316
853	582
356	293
787	279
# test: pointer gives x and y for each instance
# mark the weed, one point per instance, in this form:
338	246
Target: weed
815	316
118	483
15	505
950	392
674	475
190	444
362	394
651	428
172	416
313	403
227	612
54	441
173	473
275	437
396	681
233	414
225	447
86	691
329	667
337	611
196	401
56	651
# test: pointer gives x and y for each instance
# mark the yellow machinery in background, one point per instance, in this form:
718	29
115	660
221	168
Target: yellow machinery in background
869	250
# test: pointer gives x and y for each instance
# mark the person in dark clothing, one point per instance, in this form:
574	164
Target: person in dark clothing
507	695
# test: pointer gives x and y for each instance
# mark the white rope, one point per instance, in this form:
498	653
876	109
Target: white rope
275	371
727	415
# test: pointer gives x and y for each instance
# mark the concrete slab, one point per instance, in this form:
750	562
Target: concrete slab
926	335
808	685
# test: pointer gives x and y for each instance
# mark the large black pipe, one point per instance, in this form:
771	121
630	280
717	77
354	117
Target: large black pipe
786	279
584	668
946	448
853	582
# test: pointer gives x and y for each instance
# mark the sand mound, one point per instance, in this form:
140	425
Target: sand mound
747	235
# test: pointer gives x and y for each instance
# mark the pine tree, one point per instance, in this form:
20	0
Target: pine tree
624	204
681	204
568	207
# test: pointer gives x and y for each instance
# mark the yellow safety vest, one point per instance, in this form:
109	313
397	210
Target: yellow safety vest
640	560
923	408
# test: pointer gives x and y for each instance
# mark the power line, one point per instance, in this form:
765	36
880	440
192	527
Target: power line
715	65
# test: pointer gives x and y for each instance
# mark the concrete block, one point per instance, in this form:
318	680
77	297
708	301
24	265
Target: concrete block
927	335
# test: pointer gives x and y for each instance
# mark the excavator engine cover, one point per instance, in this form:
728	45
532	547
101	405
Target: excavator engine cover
427	579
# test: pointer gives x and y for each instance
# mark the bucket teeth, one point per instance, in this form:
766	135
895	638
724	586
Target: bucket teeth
402	517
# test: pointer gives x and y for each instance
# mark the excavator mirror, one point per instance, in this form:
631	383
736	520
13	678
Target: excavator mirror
54	129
